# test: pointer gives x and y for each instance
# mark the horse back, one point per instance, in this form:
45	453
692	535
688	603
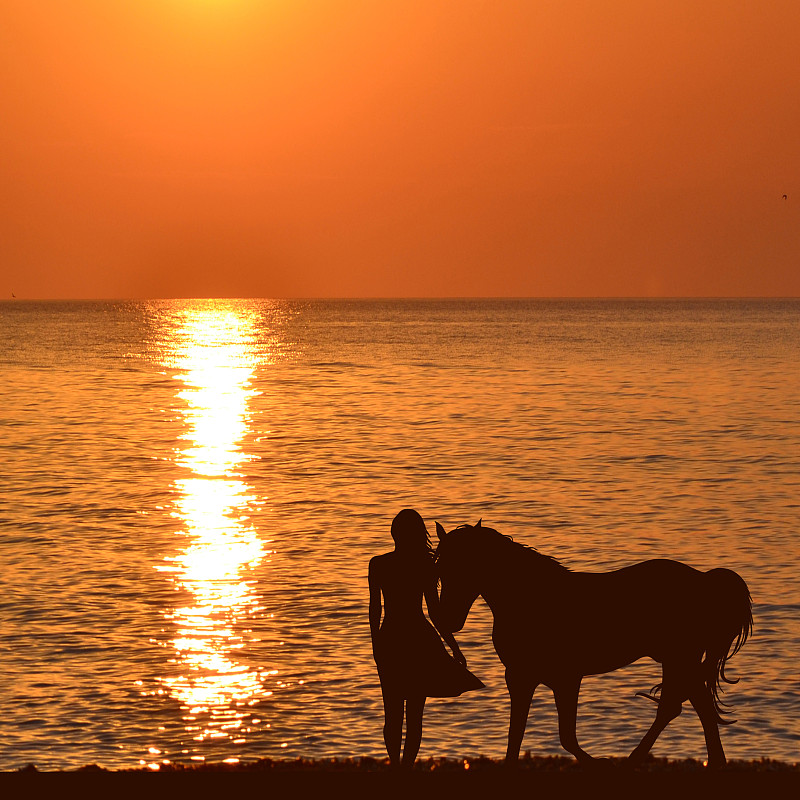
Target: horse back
659	590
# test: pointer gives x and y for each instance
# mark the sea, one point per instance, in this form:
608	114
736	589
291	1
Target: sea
191	491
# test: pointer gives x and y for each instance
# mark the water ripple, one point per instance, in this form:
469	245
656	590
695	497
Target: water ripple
192	491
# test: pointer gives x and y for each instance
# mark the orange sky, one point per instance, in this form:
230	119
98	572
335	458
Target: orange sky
179	148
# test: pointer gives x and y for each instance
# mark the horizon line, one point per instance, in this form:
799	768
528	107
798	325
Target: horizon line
399	298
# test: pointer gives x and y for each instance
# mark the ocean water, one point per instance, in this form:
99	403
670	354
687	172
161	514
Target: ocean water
190	492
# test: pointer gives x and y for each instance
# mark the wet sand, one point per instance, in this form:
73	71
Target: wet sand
368	778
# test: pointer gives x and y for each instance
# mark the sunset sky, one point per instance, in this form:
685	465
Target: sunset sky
313	148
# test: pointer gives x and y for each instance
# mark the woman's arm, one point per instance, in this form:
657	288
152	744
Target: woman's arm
432	601
374	602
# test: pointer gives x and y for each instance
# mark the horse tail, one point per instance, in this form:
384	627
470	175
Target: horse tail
730	623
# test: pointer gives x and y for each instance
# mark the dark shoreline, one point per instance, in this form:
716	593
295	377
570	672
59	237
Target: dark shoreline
526	764
543	777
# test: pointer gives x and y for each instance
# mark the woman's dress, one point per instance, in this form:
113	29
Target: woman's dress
409	654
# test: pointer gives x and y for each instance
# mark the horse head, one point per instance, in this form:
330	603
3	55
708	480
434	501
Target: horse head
457	560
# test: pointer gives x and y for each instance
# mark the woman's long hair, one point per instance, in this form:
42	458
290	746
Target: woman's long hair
410	534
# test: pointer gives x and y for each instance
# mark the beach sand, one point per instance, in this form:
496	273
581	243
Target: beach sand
371	778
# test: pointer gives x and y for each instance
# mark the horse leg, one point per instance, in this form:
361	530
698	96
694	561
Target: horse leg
670	704
566	696
520	690
703	703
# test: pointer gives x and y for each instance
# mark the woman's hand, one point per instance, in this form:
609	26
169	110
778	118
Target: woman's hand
459	656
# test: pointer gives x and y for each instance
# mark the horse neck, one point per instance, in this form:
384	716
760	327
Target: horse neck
526	579
499	595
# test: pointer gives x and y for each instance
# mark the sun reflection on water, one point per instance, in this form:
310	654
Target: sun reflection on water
213	681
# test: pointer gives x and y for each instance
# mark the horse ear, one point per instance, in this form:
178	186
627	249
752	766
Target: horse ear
479	522
440	532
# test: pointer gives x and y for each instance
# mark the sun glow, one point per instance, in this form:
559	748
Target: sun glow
215	362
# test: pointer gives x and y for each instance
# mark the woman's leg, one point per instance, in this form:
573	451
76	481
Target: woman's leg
414	708
392	725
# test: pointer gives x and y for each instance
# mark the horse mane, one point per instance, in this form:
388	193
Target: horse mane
529	555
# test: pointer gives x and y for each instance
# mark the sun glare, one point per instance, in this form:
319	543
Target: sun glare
215	363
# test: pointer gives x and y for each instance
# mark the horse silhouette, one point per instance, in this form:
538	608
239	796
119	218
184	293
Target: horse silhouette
553	626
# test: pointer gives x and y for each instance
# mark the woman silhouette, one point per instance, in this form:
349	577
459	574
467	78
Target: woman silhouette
411	659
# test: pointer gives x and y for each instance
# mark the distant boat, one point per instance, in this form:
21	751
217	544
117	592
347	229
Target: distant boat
13	295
